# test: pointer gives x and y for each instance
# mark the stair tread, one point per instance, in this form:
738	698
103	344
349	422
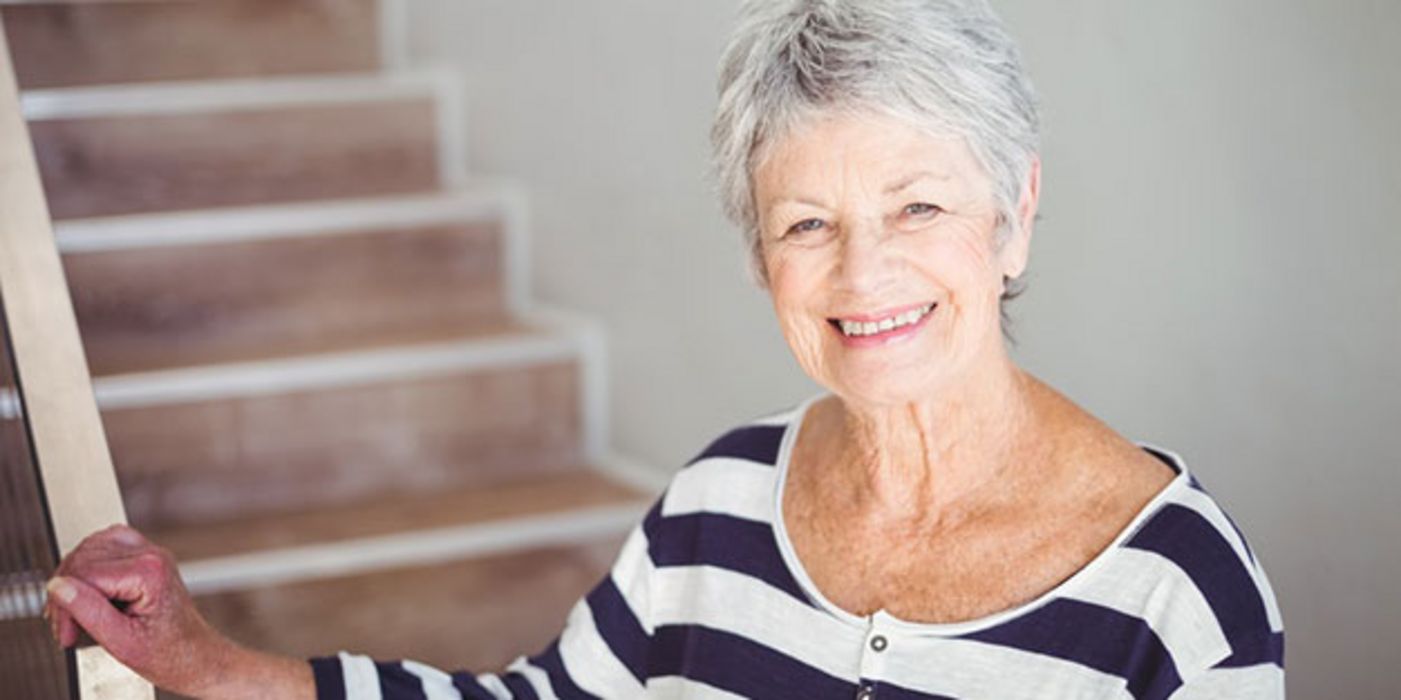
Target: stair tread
261	282
398	513
477	199
130	163
410	338
206	443
222	94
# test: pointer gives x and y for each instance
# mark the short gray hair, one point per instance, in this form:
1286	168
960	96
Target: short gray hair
947	65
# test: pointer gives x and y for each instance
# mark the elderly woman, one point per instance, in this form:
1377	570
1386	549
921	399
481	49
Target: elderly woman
941	525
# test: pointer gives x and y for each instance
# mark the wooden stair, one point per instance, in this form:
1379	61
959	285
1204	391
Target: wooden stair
322	383
66	44
213	442
235	143
193	288
471	614
463	578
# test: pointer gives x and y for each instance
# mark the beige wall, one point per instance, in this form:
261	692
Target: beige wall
1216	270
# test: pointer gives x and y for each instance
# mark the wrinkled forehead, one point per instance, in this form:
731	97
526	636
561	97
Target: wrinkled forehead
871	150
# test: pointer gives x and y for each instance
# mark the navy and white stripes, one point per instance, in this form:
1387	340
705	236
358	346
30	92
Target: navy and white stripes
707	600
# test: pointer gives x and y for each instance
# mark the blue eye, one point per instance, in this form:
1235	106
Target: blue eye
806	225
921	209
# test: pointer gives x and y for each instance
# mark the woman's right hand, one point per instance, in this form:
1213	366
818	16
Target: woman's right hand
127	593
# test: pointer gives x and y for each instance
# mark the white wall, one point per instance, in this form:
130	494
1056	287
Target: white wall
1216	270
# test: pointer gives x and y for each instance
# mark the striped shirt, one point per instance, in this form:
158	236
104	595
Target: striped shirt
708	600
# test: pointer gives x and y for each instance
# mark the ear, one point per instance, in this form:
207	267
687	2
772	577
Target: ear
1017	249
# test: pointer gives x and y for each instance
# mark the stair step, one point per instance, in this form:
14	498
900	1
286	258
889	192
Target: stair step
477	614
211	443
62	44
160	291
133	149
456	509
470	577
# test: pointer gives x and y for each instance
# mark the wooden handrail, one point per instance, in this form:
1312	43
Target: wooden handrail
66	430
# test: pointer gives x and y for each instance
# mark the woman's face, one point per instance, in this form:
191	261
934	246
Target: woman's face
879	243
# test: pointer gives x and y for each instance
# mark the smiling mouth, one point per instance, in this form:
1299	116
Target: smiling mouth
894	322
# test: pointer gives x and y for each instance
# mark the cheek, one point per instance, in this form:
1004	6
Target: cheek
794	279
967	261
794	285
800	324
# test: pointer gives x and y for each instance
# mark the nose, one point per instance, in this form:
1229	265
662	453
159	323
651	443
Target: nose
867	264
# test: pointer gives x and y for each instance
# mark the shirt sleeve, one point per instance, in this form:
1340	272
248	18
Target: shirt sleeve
1260	682
602	652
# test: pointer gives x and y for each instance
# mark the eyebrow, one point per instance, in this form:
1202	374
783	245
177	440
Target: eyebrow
797	200
913	178
897	186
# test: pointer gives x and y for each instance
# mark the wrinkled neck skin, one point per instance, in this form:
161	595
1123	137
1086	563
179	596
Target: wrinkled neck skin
928	463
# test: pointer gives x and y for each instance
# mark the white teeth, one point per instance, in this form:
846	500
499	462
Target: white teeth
858	328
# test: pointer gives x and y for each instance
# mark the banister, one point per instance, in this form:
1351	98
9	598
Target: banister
64	425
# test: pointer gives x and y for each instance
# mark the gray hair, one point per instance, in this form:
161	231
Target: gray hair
946	65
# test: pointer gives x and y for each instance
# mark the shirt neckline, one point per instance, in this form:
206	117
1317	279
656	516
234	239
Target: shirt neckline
881	619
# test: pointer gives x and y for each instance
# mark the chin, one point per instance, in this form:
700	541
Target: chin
890	388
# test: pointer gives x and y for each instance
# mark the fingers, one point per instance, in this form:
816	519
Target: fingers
124	565
60	622
136	583
126	535
114	564
88	607
65	630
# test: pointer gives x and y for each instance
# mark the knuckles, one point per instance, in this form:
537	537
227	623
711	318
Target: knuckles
119	549
151	563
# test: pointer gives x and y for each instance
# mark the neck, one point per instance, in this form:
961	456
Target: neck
919	461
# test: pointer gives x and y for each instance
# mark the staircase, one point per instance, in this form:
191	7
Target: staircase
322	382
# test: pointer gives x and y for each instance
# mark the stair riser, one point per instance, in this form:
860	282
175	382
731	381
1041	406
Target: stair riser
143	309
237	457
105	165
67	44
476	615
